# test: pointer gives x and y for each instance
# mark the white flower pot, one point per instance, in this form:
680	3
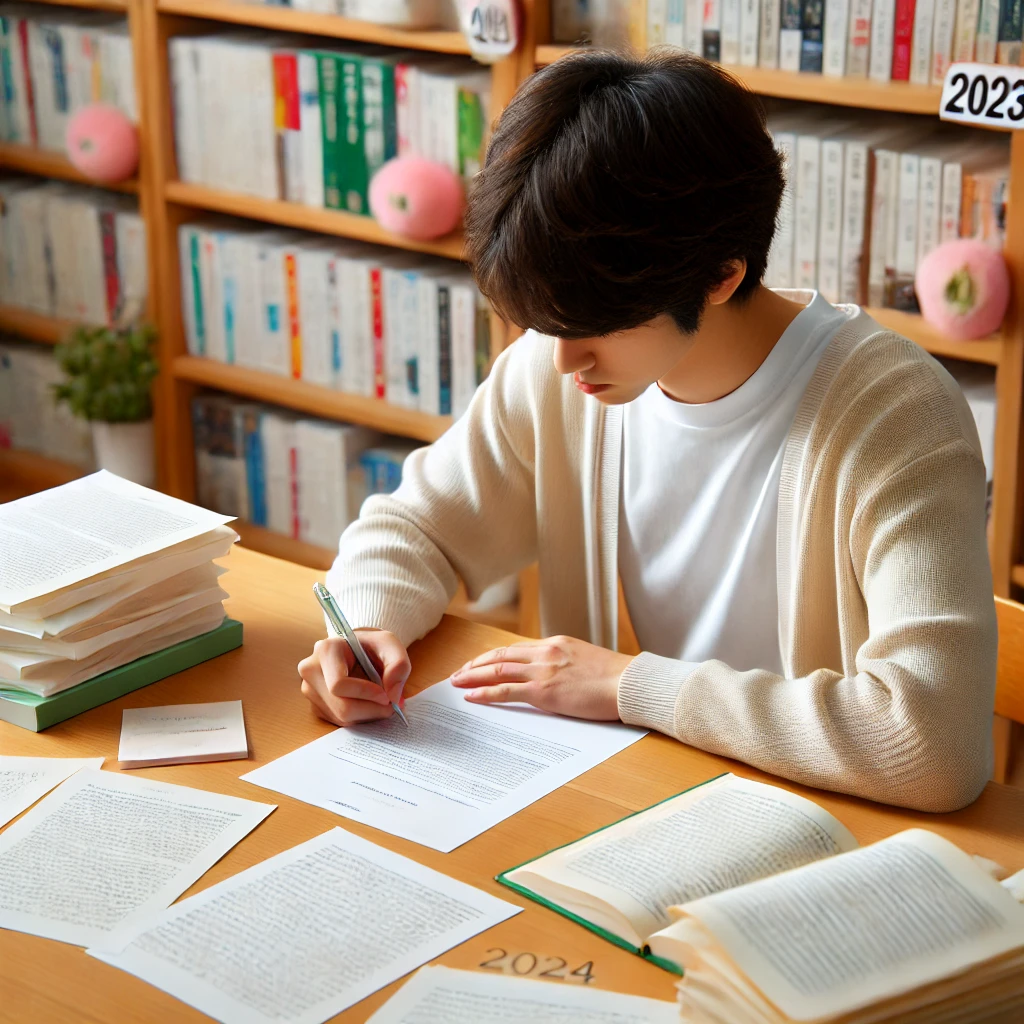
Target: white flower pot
126	449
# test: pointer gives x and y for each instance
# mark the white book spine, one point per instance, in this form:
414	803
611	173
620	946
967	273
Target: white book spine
952	193
882	216
42	75
282	474
186	108
906	226
750	26
334	325
315	337
132	264
275	355
988	32
92	299
209	56
657	11
213	286
929	211
674	22
311	132
412	342
851	258
240	250
942	39
22	119
921	42
427	331
362	331
883	20
730	31
780	259
790	41
463	305
693	26
837	20
858	39
966	30
394	337
808	190
265	172
831	219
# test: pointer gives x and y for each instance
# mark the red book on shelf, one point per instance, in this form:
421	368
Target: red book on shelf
377	298
903	33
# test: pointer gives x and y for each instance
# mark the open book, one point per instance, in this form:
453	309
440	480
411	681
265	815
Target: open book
910	929
621	880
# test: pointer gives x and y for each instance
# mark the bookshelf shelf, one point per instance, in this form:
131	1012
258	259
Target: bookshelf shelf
913	326
90	5
308	218
34	326
310	398
24	473
48	164
281	19
901	97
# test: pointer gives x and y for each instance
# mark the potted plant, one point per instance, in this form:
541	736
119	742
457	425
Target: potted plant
110	373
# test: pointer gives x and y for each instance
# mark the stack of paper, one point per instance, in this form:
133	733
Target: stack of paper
98	573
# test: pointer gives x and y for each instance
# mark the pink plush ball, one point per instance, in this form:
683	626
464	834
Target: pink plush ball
963	287
103	143
416	198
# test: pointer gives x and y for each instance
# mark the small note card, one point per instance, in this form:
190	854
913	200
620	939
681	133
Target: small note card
182	734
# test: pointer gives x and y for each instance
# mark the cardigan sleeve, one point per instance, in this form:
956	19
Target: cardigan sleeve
399	563
911	724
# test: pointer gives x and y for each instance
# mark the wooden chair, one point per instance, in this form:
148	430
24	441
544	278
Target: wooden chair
1009	682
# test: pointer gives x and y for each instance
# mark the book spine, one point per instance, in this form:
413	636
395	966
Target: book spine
288	125
906	230
903	34
858	39
988	31
332	313
808	182
352	149
966	30
929	210
780	263
921	42
831	219
24	50
229	289
111	277
655	16
730	31
7	95
311	131
275	356
852	270
394	336
291	283
811	43
329	87
949	226
768	49
444	348
412	347
380	119
882	161
750	18
711	30
472	128
377	325
403	108
837	18
1011	19
883	22
968	194
790	36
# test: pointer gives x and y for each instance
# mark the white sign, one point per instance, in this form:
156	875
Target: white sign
991	95
491	28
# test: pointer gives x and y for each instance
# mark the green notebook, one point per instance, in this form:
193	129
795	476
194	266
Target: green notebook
37	713
620	880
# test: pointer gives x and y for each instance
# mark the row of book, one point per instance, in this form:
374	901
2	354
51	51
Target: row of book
30	419
868	198
52	63
358	318
263	116
410	14
70	251
885	40
304	478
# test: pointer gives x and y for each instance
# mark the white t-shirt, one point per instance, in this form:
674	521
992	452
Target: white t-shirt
700	504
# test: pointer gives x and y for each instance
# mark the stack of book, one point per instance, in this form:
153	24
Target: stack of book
304	478
72	252
868	197
106	586
55	62
30	419
885	40
265	116
357	318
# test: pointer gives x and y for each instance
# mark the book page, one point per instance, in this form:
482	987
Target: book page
845	933
716	836
441	994
105	850
182	733
305	934
23	780
458	769
65	535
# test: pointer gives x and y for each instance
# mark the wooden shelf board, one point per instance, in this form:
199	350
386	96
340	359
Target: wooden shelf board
311	399
308	218
34	326
913	326
795	85
24	473
49	164
282	19
91	5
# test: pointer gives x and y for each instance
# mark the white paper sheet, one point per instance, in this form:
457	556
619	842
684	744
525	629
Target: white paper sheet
23	780
182	733
305	934
63	536
441	994
458	769
106	850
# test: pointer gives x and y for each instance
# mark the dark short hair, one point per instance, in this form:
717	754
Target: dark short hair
618	188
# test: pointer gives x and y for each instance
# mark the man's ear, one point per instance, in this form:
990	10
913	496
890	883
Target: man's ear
724	291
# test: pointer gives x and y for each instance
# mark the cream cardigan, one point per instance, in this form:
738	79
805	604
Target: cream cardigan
886	618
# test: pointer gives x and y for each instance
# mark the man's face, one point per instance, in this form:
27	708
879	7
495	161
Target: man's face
617	368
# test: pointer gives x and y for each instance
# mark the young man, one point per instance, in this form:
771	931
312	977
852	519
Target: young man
793	498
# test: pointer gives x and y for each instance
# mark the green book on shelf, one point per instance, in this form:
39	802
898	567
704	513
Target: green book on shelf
351	131
37	713
620	881
329	76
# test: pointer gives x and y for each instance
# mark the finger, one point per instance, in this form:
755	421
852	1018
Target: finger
336	657
355	712
391	658
518	652
319	705
501	694
500	672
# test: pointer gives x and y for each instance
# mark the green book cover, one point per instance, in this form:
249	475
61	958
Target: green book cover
472	122
197	290
354	178
380	119
29	711
617	940
329	79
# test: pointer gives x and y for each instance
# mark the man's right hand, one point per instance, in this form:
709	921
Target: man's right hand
345	699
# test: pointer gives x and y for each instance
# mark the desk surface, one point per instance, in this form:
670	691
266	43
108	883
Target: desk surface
44	981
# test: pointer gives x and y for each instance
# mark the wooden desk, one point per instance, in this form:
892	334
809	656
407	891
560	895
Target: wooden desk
43	981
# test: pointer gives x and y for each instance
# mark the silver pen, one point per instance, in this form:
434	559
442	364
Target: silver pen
343	629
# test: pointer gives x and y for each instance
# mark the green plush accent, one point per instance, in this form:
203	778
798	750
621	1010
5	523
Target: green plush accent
960	291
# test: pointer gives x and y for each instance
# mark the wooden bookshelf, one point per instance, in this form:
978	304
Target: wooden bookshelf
310	398
90	5
48	164
913	325
26	324
307	218
282	19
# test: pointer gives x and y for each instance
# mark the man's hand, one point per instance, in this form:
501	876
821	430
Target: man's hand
344	699
560	674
